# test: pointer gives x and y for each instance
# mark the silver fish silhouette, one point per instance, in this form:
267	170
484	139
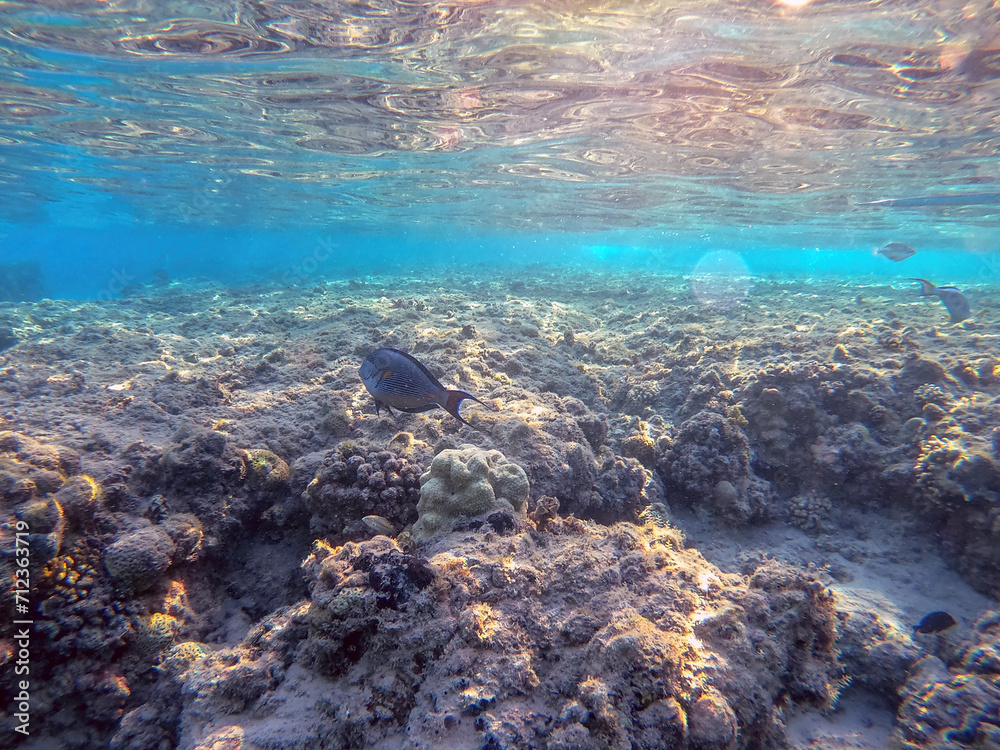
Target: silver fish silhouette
955	302
380	525
896	251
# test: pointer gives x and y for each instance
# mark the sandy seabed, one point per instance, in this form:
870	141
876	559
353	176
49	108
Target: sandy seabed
740	504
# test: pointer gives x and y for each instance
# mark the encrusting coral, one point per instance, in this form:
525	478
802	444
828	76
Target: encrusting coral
265	470
137	560
809	511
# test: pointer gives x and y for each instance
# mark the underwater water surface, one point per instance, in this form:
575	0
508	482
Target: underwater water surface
254	137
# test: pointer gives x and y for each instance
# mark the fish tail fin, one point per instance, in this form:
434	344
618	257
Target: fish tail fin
926	287
453	399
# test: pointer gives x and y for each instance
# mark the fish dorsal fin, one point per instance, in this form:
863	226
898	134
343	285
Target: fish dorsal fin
424	370
949	288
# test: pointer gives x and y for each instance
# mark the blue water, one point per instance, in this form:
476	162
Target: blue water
95	263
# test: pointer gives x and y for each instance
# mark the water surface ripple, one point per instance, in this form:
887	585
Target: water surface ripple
590	115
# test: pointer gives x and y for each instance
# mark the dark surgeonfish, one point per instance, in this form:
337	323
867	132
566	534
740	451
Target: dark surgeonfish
896	251
397	380
958	306
935	622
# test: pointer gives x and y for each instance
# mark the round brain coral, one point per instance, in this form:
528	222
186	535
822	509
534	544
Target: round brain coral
468	482
78	498
140	557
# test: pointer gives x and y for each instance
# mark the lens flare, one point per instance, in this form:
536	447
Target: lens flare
721	279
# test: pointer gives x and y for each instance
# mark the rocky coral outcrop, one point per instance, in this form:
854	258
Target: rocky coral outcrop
803	415
873	654
197	460
847	462
352	482
957	482
345	617
93	643
34	478
563	450
707	467
957	707
266	471
810	511
138	559
484	643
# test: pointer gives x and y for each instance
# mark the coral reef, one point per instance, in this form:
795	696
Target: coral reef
847	462
956	707
353	482
157	633
640	446
197	460
265	471
93	643
79	499
792	408
809	511
468	486
31	466
484	644
563	452
185	531
957	479
34	477
707	466
45	519
172	497
873	654
622	488
82	614
345	617
138	559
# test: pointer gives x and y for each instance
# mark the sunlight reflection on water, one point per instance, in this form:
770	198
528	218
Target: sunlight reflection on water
517	115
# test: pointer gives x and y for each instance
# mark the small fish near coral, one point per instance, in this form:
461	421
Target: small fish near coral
958	306
380	525
397	380
896	251
935	622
